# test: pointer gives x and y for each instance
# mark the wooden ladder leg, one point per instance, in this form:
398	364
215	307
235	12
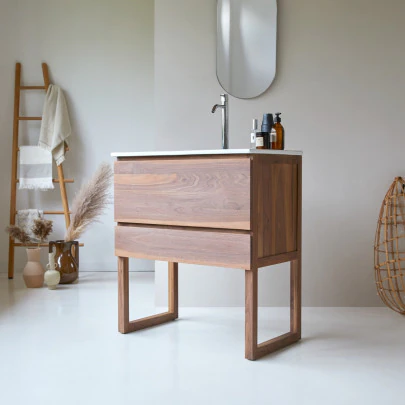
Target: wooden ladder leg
65	202
14	159
251	280
10	259
45	74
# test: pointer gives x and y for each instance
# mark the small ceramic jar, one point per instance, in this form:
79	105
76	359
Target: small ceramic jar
52	276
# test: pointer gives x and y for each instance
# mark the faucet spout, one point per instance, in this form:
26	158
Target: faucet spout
225	119
215	107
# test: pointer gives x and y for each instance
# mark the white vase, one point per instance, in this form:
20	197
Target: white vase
52	276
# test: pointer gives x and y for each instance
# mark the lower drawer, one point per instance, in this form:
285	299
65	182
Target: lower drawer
214	248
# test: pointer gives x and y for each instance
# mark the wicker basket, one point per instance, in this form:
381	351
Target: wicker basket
389	248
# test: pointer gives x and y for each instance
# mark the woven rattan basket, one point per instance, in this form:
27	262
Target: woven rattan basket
389	248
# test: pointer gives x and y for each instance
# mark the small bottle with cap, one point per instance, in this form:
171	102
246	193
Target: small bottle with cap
253	134
273	139
261	140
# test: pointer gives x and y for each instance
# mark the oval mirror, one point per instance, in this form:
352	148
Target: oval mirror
246	46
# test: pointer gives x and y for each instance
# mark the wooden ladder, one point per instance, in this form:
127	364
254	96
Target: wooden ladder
14	180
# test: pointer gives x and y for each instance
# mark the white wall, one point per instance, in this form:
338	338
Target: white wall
340	85
101	53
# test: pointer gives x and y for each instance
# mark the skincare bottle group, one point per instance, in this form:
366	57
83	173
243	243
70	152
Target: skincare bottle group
271	135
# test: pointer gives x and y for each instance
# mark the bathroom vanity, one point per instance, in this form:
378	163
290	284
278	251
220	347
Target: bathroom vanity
236	208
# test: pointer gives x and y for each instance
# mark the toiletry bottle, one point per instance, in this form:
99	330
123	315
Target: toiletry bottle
279	132
260	140
273	139
267	125
253	134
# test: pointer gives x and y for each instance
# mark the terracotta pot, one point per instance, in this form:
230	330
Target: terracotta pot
33	272
66	263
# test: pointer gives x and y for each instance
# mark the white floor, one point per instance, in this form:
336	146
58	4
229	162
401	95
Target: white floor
62	347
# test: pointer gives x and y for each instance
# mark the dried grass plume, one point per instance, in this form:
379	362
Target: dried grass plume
16	232
42	229
90	202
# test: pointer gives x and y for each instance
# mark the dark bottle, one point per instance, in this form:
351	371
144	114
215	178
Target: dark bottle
279	133
267	125
262	140
267	122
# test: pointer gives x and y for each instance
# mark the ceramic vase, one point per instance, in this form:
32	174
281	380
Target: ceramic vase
66	263
33	272
52	276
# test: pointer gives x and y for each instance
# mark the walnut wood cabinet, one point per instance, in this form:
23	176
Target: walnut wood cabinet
238	210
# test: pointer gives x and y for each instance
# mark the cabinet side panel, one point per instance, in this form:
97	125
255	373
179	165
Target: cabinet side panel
276	204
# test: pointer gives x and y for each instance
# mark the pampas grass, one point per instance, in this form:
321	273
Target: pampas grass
42	229
90	202
18	233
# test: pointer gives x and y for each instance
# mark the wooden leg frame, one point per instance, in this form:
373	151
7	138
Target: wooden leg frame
253	350
124	324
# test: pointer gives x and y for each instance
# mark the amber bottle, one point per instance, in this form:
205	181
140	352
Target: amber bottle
261	140
279	144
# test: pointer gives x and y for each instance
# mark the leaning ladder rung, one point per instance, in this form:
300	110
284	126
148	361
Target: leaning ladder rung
29	118
52	212
36	244
55	212
66	149
32	87
54	181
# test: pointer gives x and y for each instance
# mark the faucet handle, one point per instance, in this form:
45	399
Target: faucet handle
215	107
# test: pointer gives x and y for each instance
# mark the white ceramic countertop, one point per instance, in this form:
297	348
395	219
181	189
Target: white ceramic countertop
209	152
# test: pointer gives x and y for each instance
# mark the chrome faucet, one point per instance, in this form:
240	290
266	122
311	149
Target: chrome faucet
225	119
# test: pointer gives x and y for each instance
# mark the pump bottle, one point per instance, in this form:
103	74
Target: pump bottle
279	144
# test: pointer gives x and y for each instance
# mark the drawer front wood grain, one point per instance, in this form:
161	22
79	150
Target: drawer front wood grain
204	192
214	248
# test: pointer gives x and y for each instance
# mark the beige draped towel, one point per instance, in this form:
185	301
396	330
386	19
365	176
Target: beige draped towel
55	127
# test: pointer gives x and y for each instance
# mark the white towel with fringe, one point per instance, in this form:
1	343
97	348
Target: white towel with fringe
35	168
25	220
55	126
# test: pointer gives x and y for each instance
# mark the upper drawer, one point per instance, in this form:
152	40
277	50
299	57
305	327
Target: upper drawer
200	192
